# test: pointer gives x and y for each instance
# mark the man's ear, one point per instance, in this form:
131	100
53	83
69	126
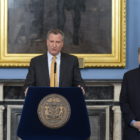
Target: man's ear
63	45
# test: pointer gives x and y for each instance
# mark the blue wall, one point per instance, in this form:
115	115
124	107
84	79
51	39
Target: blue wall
133	42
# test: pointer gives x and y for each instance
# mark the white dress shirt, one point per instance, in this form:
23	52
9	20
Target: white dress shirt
58	58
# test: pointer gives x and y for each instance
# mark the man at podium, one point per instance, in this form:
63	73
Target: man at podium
51	113
54	68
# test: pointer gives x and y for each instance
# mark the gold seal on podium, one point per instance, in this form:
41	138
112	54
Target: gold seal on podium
54	111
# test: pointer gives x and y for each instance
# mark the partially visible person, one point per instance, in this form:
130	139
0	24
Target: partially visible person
54	68
130	103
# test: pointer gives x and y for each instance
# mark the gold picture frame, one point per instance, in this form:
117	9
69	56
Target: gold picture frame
117	58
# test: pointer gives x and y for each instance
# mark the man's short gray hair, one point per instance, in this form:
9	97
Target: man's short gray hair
55	31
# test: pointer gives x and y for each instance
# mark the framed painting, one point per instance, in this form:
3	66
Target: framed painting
95	31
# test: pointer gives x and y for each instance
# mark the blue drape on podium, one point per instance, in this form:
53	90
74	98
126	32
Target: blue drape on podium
77	128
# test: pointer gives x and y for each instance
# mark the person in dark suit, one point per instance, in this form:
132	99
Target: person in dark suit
67	65
130	104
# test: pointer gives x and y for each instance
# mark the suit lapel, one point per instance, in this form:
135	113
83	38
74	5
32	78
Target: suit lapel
46	69
62	69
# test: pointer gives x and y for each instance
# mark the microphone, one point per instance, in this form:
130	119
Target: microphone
55	65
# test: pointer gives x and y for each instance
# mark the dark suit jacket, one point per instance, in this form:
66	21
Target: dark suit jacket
130	103
38	74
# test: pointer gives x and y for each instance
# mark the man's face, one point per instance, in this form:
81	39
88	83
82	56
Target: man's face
55	43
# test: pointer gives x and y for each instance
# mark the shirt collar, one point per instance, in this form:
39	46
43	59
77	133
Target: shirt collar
50	56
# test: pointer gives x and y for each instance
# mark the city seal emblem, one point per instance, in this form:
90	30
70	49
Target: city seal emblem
54	111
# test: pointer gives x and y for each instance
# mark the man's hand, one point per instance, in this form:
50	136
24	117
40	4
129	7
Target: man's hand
82	89
136	125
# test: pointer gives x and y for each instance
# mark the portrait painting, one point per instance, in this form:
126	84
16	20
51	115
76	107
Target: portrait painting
88	26
85	23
